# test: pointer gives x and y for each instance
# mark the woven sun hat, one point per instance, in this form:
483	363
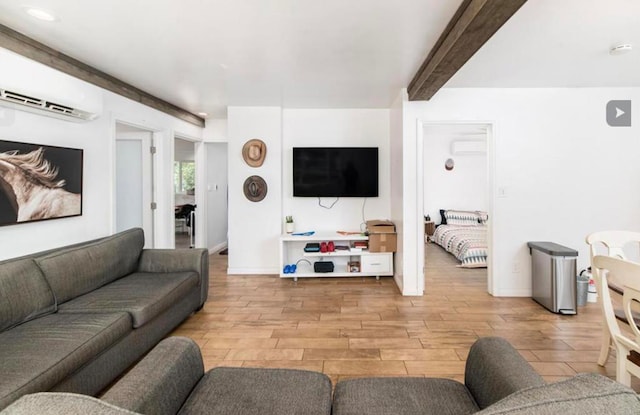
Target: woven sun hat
254	151
255	188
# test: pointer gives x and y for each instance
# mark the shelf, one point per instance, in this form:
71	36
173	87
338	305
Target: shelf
337	253
331	274
375	264
323	237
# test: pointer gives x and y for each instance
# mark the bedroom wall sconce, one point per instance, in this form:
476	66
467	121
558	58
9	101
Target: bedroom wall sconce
449	164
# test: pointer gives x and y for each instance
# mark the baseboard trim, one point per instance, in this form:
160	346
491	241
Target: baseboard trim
219	247
252	271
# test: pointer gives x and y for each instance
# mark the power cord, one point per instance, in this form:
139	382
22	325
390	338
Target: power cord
328	207
363	224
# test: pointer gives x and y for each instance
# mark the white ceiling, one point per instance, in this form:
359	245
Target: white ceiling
203	55
559	43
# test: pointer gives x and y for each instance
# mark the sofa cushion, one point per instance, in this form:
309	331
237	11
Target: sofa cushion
36	355
24	293
247	391
72	272
144	295
46	403
402	396
588	393
161	382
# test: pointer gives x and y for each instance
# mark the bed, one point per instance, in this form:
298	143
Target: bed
464	235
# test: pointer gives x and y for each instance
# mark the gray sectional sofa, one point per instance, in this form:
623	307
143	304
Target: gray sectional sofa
171	380
73	319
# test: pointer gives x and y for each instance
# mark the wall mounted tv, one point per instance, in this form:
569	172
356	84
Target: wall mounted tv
335	171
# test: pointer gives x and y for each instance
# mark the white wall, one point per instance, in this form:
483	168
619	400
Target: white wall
396	182
217	212
215	131
564	172
97	139
463	188
254	227
335	128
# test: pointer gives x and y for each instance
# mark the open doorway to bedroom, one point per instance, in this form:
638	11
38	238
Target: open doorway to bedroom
456	204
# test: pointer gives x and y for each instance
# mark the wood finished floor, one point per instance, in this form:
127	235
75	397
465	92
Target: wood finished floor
354	327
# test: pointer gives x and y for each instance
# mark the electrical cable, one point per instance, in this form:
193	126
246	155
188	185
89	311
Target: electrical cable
328	207
363	224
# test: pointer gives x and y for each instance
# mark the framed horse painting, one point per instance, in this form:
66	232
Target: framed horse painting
39	182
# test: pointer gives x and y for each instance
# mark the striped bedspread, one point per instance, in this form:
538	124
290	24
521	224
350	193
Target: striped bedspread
467	243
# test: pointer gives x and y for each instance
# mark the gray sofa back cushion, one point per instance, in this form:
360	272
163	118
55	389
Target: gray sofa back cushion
75	271
47	403
24	293
587	393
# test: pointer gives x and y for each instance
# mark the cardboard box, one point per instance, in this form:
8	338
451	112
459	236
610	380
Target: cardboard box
383	242
380	226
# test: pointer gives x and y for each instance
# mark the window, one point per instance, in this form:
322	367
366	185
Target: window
184	176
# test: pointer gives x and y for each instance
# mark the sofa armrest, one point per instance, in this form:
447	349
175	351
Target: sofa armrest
161	382
495	370
178	260
55	403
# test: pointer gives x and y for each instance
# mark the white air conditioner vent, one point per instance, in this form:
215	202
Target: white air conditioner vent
21	101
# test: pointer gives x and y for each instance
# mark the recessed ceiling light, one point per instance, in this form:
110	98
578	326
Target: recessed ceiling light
41	14
621	49
203	114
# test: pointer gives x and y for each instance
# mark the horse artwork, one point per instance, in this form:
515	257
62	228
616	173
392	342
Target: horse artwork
39	182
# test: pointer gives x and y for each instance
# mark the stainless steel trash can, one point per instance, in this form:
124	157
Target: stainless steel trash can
553	273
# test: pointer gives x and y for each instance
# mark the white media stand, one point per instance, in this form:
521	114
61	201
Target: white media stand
372	264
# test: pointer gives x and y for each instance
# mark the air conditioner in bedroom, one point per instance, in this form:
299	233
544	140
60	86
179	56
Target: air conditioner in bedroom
30	86
469	147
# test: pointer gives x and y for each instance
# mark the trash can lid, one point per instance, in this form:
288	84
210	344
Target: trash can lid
552	248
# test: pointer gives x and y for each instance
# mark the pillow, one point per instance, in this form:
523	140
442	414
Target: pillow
443	217
462	217
587	393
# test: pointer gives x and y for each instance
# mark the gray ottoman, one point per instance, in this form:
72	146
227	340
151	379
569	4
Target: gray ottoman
246	391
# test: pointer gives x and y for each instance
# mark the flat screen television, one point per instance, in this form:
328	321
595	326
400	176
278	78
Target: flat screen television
335	171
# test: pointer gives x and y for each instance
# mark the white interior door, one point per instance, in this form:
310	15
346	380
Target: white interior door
134	183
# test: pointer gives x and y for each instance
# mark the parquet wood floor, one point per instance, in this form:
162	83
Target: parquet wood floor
353	327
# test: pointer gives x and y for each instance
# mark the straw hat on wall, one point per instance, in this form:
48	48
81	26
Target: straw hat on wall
254	152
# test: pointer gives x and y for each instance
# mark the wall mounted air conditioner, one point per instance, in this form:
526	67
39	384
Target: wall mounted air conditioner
468	147
30	86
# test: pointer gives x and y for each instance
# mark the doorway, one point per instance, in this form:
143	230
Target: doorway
184	184
134	181
456	182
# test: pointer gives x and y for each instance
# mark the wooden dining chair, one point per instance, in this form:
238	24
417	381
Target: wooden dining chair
613	244
627	275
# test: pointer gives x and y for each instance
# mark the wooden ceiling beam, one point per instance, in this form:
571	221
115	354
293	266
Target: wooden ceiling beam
472	25
32	49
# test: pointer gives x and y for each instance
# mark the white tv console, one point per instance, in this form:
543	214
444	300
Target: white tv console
372	264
